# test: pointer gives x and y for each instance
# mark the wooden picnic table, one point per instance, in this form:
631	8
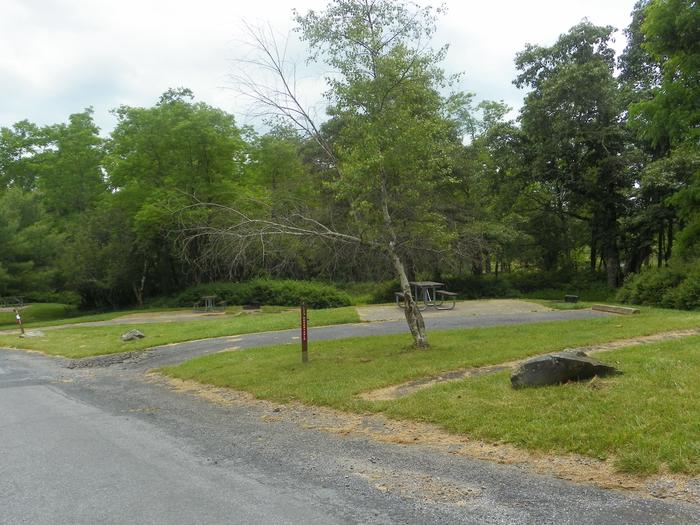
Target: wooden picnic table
426	290
208	303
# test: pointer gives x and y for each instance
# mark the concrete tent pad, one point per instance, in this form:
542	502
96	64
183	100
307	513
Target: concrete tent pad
462	309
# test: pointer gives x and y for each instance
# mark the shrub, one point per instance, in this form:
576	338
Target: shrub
687	295
540	285
476	287
676	286
65	297
269	292
650	286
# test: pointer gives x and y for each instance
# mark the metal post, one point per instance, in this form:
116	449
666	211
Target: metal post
304	334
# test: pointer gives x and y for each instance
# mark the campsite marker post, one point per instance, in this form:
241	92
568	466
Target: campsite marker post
304	334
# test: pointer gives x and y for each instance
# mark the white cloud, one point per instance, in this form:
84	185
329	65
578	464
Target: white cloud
59	56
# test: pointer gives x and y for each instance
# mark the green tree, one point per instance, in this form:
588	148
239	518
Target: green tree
165	159
669	118
19	147
30	245
671	30
572	121
71	177
392	134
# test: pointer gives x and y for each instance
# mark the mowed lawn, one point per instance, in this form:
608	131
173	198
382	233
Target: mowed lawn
647	418
89	341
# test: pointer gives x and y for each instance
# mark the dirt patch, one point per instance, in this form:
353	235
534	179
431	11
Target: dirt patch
168	316
4	309
410	387
462	309
393	392
641	340
377	427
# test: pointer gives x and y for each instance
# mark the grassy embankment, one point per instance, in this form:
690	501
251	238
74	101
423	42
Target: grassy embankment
647	418
38	315
86	341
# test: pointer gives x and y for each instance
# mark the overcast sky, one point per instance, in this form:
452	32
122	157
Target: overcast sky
59	56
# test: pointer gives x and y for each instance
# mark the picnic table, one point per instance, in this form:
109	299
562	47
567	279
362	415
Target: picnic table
208	303
430	293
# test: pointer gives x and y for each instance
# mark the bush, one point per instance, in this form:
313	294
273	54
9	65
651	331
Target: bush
650	286
65	297
687	295
540	285
676	286
268	292
476	287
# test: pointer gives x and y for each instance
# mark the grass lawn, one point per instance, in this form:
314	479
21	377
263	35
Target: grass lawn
40	313
339	370
37	315
648	418
90	341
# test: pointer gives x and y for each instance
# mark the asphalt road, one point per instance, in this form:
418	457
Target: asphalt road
106	445
176	353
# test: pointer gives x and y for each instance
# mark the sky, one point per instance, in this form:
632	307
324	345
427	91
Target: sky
58	57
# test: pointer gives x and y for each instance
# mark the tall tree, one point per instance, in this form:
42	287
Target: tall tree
391	135
71	176
670	117
572	120
162	159
19	146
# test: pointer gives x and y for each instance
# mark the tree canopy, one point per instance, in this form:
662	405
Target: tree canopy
403	178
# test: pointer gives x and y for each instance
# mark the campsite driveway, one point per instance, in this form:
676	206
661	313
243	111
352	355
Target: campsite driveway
112	445
179	352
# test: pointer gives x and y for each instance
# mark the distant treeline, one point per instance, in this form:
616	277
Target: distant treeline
600	174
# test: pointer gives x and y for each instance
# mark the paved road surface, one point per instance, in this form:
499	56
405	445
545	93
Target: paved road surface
105	445
179	352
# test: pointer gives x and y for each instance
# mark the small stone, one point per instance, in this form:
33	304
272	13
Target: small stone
132	335
662	488
33	333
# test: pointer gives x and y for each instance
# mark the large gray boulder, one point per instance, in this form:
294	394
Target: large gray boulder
558	368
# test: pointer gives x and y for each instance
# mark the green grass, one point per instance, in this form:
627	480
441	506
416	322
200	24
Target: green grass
37	315
90	341
647	419
561	305
339	370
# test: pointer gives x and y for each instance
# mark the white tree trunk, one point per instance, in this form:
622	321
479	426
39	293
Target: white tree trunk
414	318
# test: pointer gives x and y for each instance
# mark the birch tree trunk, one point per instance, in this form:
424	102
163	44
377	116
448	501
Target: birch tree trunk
414	318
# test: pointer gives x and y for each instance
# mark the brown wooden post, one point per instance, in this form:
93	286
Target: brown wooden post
304	334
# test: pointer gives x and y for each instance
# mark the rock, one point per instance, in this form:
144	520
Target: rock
33	333
558	368
132	335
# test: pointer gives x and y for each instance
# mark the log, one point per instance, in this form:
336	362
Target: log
624	310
